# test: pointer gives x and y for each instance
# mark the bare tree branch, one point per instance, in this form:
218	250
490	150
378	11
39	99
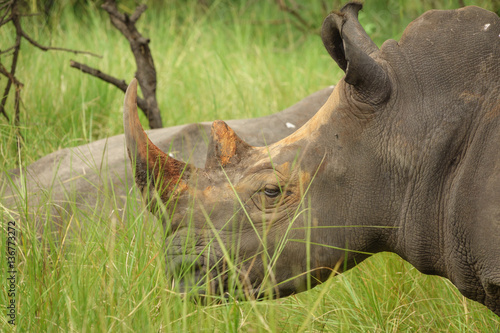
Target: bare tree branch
137	13
302	23
11	13
13	66
284	7
146	72
2	109
8	50
50	48
6	4
110	7
120	84
4	22
6	73
17	113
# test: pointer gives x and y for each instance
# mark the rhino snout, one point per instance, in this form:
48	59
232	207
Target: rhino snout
187	272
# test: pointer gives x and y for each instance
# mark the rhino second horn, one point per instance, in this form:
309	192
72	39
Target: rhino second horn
152	166
225	147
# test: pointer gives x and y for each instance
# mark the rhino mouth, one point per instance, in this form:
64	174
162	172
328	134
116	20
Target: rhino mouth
201	288
208	284
192	277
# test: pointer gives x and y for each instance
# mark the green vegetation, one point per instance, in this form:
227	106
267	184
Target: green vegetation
235	59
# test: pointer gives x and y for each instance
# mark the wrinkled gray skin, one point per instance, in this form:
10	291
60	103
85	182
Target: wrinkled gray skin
403	157
95	178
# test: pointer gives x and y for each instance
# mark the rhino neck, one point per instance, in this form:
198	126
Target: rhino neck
440	111
436	151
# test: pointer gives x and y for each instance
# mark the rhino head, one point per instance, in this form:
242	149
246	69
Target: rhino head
234	226
261	212
368	173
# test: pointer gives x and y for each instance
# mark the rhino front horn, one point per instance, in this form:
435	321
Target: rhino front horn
154	170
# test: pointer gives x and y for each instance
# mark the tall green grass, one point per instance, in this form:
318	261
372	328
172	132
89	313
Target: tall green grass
237	59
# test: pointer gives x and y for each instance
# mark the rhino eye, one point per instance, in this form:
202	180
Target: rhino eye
272	191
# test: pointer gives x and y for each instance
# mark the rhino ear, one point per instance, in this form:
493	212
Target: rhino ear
350	46
225	146
152	166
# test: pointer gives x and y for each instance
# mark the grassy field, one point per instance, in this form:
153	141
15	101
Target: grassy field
237	59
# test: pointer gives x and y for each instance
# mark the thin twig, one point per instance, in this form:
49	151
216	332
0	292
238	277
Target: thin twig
284	7
6	73
10	13
120	84
17	25
4	22
137	13
9	82
17	103
8	50
2	111
50	48
6	4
